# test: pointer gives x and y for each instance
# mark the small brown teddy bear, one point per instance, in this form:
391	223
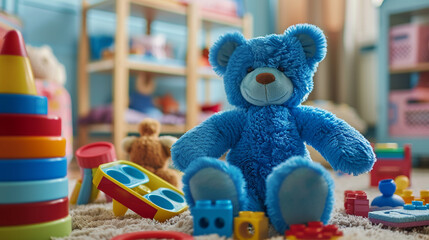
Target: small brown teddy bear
151	151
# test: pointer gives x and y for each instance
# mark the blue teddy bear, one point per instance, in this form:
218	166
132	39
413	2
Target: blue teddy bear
268	167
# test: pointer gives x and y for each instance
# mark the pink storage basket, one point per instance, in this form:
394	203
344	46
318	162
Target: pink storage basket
409	112
408	45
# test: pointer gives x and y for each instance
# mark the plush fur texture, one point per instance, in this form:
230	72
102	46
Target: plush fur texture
321	202
150	151
259	138
212	185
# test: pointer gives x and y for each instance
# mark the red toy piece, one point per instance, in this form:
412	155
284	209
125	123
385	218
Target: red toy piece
31	213
13	44
390	167
30	125
314	230
154	234
356	203
95	154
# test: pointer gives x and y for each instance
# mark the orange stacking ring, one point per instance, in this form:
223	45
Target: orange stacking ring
32	147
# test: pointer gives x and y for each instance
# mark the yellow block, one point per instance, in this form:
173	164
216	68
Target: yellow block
16	76
251	226
407	195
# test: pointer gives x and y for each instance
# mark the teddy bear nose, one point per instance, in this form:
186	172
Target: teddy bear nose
265	78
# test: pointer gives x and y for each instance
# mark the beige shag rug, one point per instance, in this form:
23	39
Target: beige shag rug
96	221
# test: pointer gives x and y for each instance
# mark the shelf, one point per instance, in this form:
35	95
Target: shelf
133	128
421	67
106	65
167	11
207	73
226	20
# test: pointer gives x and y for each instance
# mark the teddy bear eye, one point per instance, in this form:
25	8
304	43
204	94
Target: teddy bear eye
250	69
281	69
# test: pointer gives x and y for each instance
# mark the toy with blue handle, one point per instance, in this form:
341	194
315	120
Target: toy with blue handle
388	199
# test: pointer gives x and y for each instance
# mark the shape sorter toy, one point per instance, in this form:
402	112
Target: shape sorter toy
213	218
412	215
33	169
313	230
133	187
89	157
251	226
392	161
356	203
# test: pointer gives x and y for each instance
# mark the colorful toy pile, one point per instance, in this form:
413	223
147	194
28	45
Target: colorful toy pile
402	183
392	161
33	169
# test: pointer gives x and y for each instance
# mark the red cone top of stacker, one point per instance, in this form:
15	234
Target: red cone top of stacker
13	44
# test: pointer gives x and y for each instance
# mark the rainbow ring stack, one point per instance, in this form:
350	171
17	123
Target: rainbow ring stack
33	169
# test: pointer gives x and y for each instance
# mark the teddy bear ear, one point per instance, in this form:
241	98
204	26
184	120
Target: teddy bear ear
312	40
222	50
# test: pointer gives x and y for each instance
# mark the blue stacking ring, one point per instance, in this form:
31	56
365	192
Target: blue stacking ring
23	104
32	169
33	191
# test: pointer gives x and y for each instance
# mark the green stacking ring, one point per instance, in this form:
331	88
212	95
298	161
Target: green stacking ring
40	231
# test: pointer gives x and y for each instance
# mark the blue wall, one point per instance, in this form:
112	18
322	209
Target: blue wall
57	22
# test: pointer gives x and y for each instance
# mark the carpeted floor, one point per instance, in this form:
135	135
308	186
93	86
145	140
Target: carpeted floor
96	221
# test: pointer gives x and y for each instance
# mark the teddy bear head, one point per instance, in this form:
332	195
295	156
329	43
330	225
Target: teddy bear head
270	70
149	128
45	65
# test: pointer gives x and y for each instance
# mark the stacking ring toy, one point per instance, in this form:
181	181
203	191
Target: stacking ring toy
33	191
23	104
154	234
32	147
29	125
32	169
41	231
31	213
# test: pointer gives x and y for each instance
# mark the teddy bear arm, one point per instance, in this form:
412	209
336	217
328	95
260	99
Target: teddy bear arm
212	138
339	143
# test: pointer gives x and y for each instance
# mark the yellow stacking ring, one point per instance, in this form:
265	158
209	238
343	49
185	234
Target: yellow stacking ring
32	147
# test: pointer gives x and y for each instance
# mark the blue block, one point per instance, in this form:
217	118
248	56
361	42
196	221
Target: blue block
213	218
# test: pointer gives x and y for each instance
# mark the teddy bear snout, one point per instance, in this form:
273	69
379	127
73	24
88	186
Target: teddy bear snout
265	78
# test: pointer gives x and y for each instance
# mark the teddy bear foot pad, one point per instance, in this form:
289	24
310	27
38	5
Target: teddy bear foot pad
212	179
299	191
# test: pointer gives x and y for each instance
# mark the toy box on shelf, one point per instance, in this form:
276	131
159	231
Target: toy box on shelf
408	44
392	161
409	110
